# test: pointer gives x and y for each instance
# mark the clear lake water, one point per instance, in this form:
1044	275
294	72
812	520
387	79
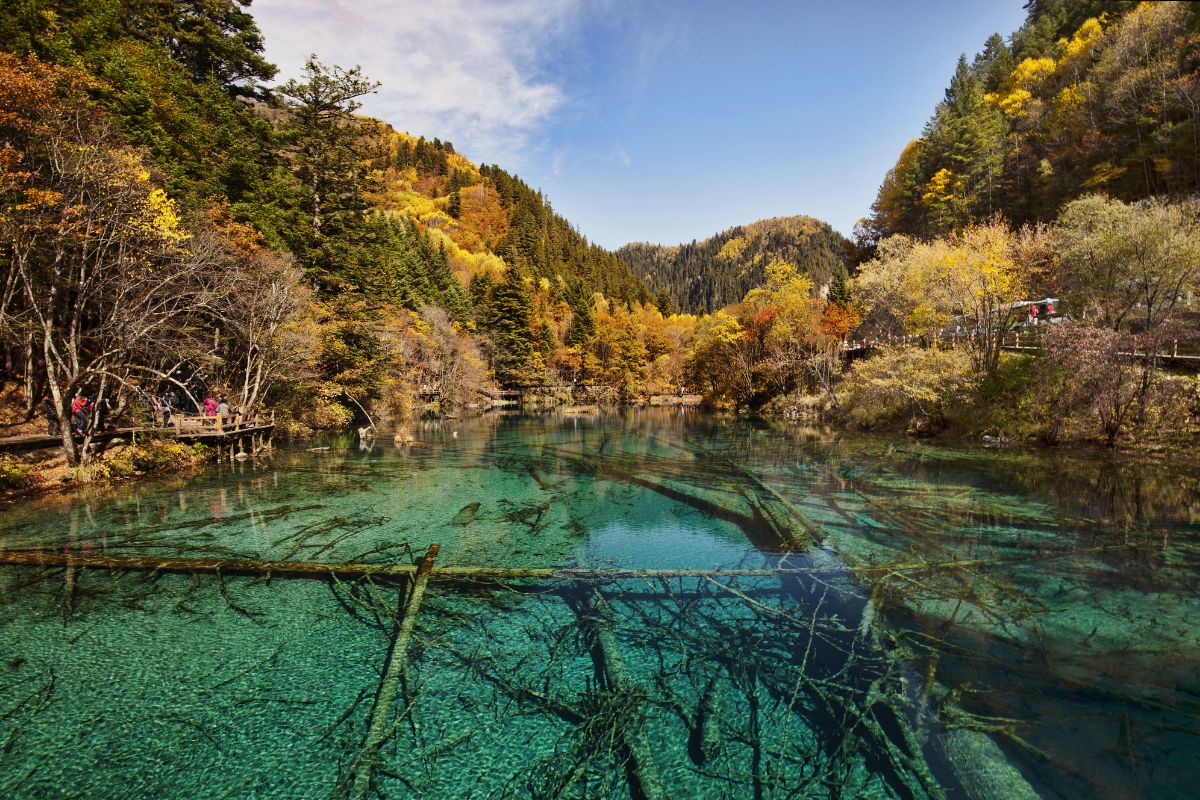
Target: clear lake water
938	622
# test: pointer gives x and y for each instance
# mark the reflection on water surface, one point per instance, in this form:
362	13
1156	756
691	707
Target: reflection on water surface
941	622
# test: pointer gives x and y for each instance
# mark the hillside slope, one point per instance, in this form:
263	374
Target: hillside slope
184	80
399	270
719	270
1086	97
486	217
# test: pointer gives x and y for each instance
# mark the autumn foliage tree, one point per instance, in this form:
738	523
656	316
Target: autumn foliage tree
1130	263
1128	267
768	345
99	272
963	286
1091	372
264	319
1087	97
615	355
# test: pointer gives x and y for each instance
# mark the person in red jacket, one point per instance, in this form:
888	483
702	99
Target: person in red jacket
79	411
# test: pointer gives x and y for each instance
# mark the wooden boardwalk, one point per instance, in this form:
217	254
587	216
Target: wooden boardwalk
1013	343
1173	358
205	433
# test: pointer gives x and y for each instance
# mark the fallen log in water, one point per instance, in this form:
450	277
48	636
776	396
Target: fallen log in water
643	772
985	772
317	569
790	524
363	767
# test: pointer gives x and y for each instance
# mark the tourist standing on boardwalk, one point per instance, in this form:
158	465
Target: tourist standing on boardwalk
169	402
79	412
102	407
53	422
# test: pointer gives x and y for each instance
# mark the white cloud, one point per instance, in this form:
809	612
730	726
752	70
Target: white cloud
470	71
559	160
653	40
619	156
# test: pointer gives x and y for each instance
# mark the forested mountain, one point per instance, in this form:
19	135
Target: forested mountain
1086	96
366	265
183	80
485	211
168	223
719	270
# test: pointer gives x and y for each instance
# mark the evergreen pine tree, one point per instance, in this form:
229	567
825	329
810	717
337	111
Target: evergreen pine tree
583	324
839	288
547	342
662	299
507	319
326	155
454	300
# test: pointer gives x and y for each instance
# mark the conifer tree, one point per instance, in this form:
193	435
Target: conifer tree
839	288
583	324
213	39
322	134
504	310
662	299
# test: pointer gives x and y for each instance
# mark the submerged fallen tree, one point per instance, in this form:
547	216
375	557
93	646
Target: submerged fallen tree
597	615
380	728
819	691
47	558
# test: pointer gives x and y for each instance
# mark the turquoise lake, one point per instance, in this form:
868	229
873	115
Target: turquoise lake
919	620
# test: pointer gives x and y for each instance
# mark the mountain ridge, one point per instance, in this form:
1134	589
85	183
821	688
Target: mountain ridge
717	271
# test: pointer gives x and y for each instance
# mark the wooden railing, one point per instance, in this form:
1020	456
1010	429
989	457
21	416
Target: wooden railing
193	424
1031	343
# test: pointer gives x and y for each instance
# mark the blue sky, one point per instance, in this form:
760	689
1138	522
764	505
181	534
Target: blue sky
661	120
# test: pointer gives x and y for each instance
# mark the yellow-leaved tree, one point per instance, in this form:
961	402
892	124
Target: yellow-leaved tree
720	365
963	286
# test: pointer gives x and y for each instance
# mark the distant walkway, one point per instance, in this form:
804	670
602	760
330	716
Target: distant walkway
1013	343
1173	357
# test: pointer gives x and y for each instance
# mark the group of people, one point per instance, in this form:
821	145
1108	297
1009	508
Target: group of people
212	408
169	403
84	410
